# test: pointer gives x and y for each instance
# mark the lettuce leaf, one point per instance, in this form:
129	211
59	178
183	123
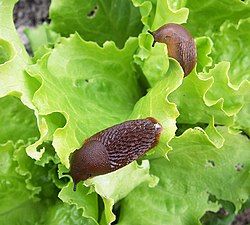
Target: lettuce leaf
38	178
64	214
41	37
13	79
156	13
156	104
204	48
96	20
209	94
195	170
232	44
206	16
27	190
92	94
83	200
16	206
17	121
115	186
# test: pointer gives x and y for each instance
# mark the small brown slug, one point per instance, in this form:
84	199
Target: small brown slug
113	148
180	44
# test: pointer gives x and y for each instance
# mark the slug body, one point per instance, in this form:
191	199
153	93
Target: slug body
180	44
113	148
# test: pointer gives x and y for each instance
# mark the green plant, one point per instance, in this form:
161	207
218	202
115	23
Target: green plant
93	67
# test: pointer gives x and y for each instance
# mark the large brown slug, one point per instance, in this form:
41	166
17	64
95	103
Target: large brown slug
113	148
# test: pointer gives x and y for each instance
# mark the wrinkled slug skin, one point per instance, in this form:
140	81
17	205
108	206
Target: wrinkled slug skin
114	147
180	44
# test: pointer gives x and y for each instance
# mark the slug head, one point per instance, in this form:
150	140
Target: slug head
180	44
172	33
90	160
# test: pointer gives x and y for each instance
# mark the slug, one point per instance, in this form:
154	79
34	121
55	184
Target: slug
113	148
180	44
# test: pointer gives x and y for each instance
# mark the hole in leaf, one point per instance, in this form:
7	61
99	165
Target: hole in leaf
210	163
81	82
239	167
93	12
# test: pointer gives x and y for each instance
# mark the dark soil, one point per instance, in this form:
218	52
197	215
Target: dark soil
242	218
30	13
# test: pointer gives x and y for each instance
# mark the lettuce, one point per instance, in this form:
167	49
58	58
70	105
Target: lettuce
94	66
231	44
14	59
80	92
206	17
195	171
96	21
13	112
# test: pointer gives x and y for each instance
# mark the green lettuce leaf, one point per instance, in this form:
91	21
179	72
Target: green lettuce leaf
27	190
231	43
206	16
91	93
82	199
96	20
38	178
204	47
17	206
13	79
243	117
195	170
47	125
176	4
40	37
16	120
156	104
64	214
115	186
156	13
209	94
